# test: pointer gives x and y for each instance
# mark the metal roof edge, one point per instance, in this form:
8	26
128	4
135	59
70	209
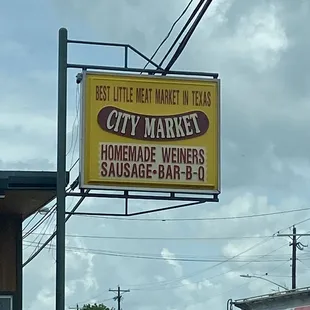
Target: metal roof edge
23	180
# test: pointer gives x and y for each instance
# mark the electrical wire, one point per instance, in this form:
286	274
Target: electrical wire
201	271
165	238
72	142
40	222
181	259
162	285
209	278
77	105
30	221
182	31
242	285
169	32
78	203
305	265
43	232
73	165
50	212
193	274
187	36
156	255
71	148
249	216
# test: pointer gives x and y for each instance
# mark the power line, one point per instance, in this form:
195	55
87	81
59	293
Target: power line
202	218
162	285
30	221
54	233
161	238
182	31
169	32
148	256
216	265
74	208
43	232
199	272
41	221
187	36
50	212
239	286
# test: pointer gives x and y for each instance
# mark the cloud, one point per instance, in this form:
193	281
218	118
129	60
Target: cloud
169	257
260	51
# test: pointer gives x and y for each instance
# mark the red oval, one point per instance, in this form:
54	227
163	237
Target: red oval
153	128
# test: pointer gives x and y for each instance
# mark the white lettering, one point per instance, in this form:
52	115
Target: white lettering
194	117
169	128
178	127
160	130
134	122
126	117
149	128
119	117
109	125
187	125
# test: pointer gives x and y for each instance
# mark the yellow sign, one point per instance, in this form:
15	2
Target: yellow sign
150	133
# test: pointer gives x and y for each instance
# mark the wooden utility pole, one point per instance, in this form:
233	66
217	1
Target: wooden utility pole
119	296
295	244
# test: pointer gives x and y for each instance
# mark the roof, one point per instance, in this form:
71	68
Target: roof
281	300
24	192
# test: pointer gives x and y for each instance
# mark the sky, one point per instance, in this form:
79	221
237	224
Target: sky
259	49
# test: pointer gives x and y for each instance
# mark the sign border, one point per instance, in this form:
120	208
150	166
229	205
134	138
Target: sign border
82	183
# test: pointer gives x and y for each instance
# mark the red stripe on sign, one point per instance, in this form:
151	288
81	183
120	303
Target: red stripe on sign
303	308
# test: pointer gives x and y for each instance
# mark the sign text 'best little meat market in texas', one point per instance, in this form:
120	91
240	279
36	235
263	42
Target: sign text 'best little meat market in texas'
150	132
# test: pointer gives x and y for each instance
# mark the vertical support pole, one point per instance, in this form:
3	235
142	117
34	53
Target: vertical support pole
119	298
126	57
61	168
294	258
18	302
126	193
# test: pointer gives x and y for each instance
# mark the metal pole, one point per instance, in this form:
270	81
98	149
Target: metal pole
61	169
118	298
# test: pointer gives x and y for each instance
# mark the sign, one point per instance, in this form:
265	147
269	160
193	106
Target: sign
6	302
150	133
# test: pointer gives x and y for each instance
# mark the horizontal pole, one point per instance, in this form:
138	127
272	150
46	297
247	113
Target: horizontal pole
98	43
145	197
135	213
126	46
139	70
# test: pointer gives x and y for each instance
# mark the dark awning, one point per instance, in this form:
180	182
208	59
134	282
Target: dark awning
24	192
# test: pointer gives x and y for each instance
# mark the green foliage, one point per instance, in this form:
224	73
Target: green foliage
95	307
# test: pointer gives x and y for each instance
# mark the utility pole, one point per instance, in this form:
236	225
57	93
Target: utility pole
295	244
119	296
294	258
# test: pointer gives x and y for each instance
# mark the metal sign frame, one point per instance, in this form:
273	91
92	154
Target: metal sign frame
126	195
